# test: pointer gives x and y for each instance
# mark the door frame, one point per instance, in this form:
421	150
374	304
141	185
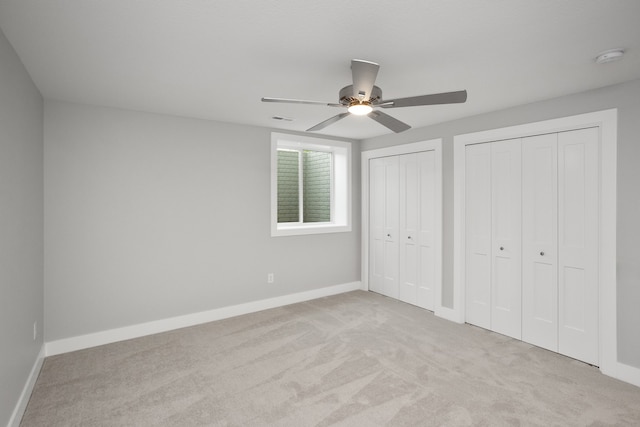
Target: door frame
415	147
606	121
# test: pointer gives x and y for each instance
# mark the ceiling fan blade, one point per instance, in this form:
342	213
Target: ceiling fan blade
364	75
328	122
433	99
386	120
300	101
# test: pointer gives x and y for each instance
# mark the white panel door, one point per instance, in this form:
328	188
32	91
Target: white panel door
478	235
506	297
409	169
427	240
540	241
384	207
578	244
417	228
377	180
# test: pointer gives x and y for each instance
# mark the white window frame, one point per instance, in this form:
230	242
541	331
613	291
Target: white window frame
340	184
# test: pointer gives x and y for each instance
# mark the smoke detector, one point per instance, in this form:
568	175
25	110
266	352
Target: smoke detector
610	56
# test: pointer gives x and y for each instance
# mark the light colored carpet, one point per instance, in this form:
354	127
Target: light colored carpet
356	359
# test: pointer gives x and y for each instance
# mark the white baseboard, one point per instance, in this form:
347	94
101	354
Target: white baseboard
18	411
628	374
134	331
448	314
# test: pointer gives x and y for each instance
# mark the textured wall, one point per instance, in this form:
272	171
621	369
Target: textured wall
317	186
288	189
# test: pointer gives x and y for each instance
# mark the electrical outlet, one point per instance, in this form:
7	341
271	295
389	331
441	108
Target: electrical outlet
35	330
270	278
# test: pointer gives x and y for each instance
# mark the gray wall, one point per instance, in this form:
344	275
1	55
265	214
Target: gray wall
21	195
625	97
142	222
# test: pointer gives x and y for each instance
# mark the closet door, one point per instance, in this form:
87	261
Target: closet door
417	228
578	244
493	228
427	233
478	235
506	297
540	241
384	210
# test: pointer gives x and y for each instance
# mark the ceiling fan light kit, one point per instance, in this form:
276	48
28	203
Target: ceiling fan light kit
360	109
363	97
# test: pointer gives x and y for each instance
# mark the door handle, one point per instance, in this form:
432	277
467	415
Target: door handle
502	248
541	253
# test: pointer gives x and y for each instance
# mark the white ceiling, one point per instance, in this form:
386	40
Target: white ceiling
215	59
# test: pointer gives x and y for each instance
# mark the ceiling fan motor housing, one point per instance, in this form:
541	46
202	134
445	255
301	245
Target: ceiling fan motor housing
346	95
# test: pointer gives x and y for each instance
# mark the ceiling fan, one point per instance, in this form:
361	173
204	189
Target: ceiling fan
363	98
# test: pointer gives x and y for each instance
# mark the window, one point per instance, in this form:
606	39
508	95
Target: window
310	185
304	185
